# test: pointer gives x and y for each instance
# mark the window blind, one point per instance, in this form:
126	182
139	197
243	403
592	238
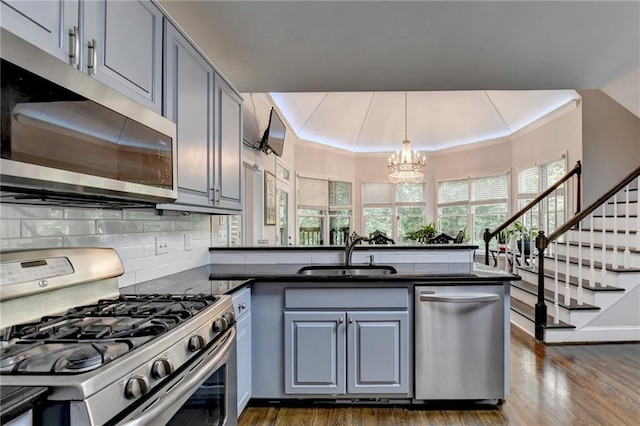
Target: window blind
378	193
312	193
454	191
489	188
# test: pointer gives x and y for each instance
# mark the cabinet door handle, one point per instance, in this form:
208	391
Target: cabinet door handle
74	46
92	62
341	320
350	320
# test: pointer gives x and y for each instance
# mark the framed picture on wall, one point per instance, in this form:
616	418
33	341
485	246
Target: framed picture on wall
269	198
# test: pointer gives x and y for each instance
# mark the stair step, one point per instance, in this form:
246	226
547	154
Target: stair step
548	295
598	246
573	280
529	312
596	264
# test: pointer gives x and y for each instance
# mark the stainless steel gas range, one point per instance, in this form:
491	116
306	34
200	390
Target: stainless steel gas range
109	358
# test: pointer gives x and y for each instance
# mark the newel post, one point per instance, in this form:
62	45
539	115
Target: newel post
541	307
487	238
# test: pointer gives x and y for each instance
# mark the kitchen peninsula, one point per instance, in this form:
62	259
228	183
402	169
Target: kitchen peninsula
433	327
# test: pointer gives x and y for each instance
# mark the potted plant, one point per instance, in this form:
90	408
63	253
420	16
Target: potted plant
504	237
423	234
524	236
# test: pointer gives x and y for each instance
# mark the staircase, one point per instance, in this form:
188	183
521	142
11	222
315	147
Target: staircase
590	274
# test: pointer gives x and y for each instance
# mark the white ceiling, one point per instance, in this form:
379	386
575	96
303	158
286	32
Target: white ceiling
375	121
474	50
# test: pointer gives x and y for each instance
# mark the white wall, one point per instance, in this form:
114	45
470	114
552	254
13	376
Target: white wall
611	143
131	233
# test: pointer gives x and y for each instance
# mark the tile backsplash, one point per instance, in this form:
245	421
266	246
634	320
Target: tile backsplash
132	233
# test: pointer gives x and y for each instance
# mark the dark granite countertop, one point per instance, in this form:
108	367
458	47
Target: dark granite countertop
359	247
16	400
219	279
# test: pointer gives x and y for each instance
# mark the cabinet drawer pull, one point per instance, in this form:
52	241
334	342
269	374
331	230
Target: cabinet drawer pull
350	320
341	320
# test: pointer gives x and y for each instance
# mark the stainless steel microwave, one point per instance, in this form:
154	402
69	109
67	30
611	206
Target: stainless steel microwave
66	134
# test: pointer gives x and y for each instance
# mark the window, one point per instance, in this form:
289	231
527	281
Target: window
534	180
473	204
324	211
395	209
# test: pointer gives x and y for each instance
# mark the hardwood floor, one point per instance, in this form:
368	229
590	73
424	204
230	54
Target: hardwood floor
550	385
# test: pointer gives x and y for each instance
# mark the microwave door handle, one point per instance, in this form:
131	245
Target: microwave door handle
186	385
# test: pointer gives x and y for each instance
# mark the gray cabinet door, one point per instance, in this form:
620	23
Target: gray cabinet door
189	103
45	24
378	352
243	344
228	143
127	49
314	352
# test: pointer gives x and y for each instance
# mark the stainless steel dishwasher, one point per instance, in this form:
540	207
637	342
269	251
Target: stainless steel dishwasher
461	342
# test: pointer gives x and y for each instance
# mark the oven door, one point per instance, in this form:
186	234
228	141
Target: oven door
204	393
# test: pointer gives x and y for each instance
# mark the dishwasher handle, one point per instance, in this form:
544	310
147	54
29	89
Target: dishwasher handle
458	298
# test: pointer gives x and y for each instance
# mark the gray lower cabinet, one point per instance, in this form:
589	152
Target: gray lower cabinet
339	353
242	307
116	42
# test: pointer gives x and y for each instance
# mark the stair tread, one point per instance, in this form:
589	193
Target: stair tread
596	264
573	280
548	295
529	312
608	231
597	246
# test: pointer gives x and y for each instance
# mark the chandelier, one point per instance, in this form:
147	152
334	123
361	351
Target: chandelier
405	166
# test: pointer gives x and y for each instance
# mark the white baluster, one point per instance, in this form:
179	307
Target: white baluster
614	260
556	297
627	253
637	215
603	271
567	288
592	237
580	290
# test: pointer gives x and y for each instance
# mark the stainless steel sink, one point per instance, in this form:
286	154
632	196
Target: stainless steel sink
362	270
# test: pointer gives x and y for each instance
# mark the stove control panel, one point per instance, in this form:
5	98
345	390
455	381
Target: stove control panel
34	270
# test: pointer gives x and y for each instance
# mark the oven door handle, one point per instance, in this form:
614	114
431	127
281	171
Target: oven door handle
189	382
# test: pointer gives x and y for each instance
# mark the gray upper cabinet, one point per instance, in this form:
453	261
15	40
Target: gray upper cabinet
116	42
228	144
52	25
122	42
189	103
208	116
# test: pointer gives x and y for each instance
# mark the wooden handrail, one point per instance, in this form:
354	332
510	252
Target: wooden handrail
586	212
488	235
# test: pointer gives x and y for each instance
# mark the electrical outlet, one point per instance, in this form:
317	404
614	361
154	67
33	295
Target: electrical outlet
187	241
162	245
222	235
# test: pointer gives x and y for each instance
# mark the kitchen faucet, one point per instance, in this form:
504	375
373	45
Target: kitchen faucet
349	249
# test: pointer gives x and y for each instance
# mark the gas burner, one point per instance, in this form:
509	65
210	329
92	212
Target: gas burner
85	358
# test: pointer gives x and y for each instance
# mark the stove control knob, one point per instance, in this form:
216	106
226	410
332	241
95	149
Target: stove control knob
161	368
196	343
136	387
220	324
230	317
